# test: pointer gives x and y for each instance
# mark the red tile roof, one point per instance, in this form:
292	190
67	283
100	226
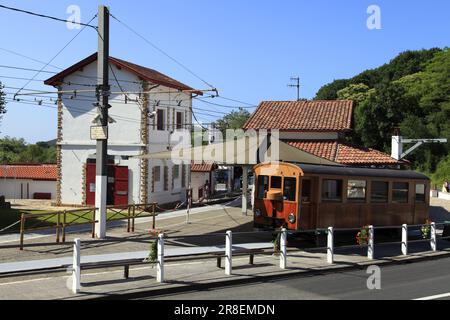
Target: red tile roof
143	73
46	172
203	167
344	153
321	115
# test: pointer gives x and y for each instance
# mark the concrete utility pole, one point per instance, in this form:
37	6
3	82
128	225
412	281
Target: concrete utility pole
103	90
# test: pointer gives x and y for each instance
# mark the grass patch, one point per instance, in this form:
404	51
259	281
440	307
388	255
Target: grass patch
50	219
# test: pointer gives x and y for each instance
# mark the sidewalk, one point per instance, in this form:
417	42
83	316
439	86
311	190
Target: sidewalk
200	275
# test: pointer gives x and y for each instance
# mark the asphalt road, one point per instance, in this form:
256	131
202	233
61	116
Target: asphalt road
428	279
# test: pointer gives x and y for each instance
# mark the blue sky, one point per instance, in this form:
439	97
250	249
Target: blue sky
248	49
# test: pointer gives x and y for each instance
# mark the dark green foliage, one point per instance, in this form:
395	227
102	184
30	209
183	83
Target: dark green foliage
329	91
13	150
412	92
233	120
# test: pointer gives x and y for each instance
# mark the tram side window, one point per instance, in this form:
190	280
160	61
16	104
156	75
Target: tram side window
356	190
306	191
290	189
420	193
332	190
380	191
400	192
263	186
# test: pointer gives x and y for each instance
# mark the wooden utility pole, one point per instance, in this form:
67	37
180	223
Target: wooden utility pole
103	90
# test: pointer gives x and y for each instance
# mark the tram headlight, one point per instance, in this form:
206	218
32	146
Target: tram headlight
258	213
291	218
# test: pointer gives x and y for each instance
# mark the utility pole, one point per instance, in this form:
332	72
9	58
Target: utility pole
103	90
296	85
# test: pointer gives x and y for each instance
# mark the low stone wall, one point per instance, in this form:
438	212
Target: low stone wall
440	195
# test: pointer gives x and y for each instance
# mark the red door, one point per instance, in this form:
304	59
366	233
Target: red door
90	184
120	189
121	186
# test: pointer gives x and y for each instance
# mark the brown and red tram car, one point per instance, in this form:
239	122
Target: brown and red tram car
308	197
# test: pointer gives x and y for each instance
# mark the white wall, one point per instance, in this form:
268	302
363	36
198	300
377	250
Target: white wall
11	188
198	181
124	135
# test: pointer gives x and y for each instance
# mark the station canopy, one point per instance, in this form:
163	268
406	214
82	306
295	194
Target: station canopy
240	152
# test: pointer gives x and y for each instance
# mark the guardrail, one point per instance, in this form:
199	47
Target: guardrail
61	220
231	248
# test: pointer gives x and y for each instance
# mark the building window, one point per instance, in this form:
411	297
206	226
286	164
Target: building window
380	191
160	120
183	176
400	192
290	189
157	173
275	182
332	190
166	178
179	124
263	186
176	171
356	190
420	192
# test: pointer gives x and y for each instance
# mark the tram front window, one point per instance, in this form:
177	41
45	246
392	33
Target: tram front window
263	186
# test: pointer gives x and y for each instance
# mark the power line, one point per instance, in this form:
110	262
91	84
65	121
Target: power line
59	52
162	51
225	106
48	17
29	58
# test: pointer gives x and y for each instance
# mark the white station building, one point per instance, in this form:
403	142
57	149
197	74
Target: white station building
147	107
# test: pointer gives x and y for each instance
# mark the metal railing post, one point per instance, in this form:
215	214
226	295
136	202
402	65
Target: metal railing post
283	250
128	219
228	253
160	261
154	216
58	227
371	244
405	239
133	213
433	239
93	225
330	245
22	230
64	226
76	269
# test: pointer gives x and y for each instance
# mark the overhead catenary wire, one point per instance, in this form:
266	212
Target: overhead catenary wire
57	54
161	51
48	17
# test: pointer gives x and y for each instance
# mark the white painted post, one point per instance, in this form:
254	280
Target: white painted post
283	249
76	269
433	240
228	253
405	239
160	262
370	246
330	245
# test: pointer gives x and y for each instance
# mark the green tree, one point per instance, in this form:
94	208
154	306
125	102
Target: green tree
10	148
380	113
329	91
233	120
